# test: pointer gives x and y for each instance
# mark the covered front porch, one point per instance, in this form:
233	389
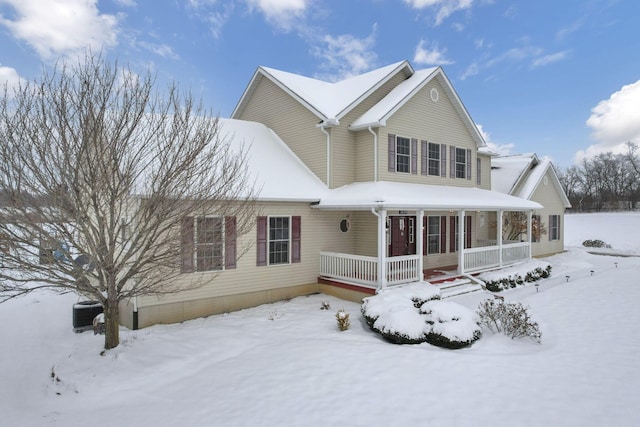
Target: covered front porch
387	270
459	229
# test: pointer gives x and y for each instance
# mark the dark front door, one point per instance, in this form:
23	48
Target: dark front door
403	235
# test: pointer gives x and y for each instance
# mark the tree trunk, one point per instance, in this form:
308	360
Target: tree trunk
111	324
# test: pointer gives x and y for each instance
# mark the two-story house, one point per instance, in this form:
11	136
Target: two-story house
373	181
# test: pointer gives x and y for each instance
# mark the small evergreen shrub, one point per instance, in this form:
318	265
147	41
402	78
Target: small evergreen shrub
343	320
595	244
511	319
513	280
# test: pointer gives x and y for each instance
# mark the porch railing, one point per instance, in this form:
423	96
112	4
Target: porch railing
364	269
482	258
353	268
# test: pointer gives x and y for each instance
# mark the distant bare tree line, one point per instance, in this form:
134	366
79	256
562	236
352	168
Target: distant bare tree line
605	182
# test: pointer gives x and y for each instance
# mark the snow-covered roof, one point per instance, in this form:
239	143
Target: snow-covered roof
519	175
330	101
279	174
398	195
508	171
379	114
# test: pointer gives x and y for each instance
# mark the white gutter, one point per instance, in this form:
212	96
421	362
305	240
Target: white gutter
375	154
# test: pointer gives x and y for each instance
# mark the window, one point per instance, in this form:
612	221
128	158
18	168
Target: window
433	235
434	159
403	154
454	243
204	246
279	240
461	162
554	227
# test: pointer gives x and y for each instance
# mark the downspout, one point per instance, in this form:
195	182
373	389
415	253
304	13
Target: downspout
322	128
375	154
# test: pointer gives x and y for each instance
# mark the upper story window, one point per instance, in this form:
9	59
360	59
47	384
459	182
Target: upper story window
461	162
434	159
403	154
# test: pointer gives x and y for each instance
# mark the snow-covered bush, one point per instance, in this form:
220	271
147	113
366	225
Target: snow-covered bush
451	324
511	277
343	320
511	319
414	314
595	244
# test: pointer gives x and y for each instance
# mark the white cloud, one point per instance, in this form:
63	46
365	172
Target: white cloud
283	14
57	28
615	121
541	61
10	77
430	56
345	56
127	3
444	7
470	71
163	50
500	149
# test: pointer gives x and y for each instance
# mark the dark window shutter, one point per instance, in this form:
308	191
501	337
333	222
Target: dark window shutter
414	156
230	242
468	164
443	160
452	234
261	242
443	234
425	235
392	153
295	239
478	171
186	245
452	165
424	158
467	243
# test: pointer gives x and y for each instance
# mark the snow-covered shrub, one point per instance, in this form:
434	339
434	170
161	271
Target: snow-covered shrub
511	319
452	325
343	320
595	244
414	314
511	277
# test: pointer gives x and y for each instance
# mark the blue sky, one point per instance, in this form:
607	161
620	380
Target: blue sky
557	77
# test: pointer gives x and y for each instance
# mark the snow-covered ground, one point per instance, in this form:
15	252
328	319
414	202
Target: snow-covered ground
287	364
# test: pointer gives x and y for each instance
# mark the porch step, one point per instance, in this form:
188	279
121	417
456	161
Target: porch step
457	286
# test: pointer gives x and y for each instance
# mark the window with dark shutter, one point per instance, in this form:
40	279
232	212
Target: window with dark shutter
230	242
434	159
391	153
403	154
433	235
295	239
261	241
414	156
186	245
279	239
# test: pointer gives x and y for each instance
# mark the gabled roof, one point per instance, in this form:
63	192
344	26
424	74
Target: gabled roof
290	180
378	115
401	195
520	175
329	101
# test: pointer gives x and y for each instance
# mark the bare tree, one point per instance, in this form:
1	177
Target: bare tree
98	169
515	224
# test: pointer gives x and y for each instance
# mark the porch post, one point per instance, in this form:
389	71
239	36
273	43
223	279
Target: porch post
529	229
499	237
420	243
461	230
382	249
